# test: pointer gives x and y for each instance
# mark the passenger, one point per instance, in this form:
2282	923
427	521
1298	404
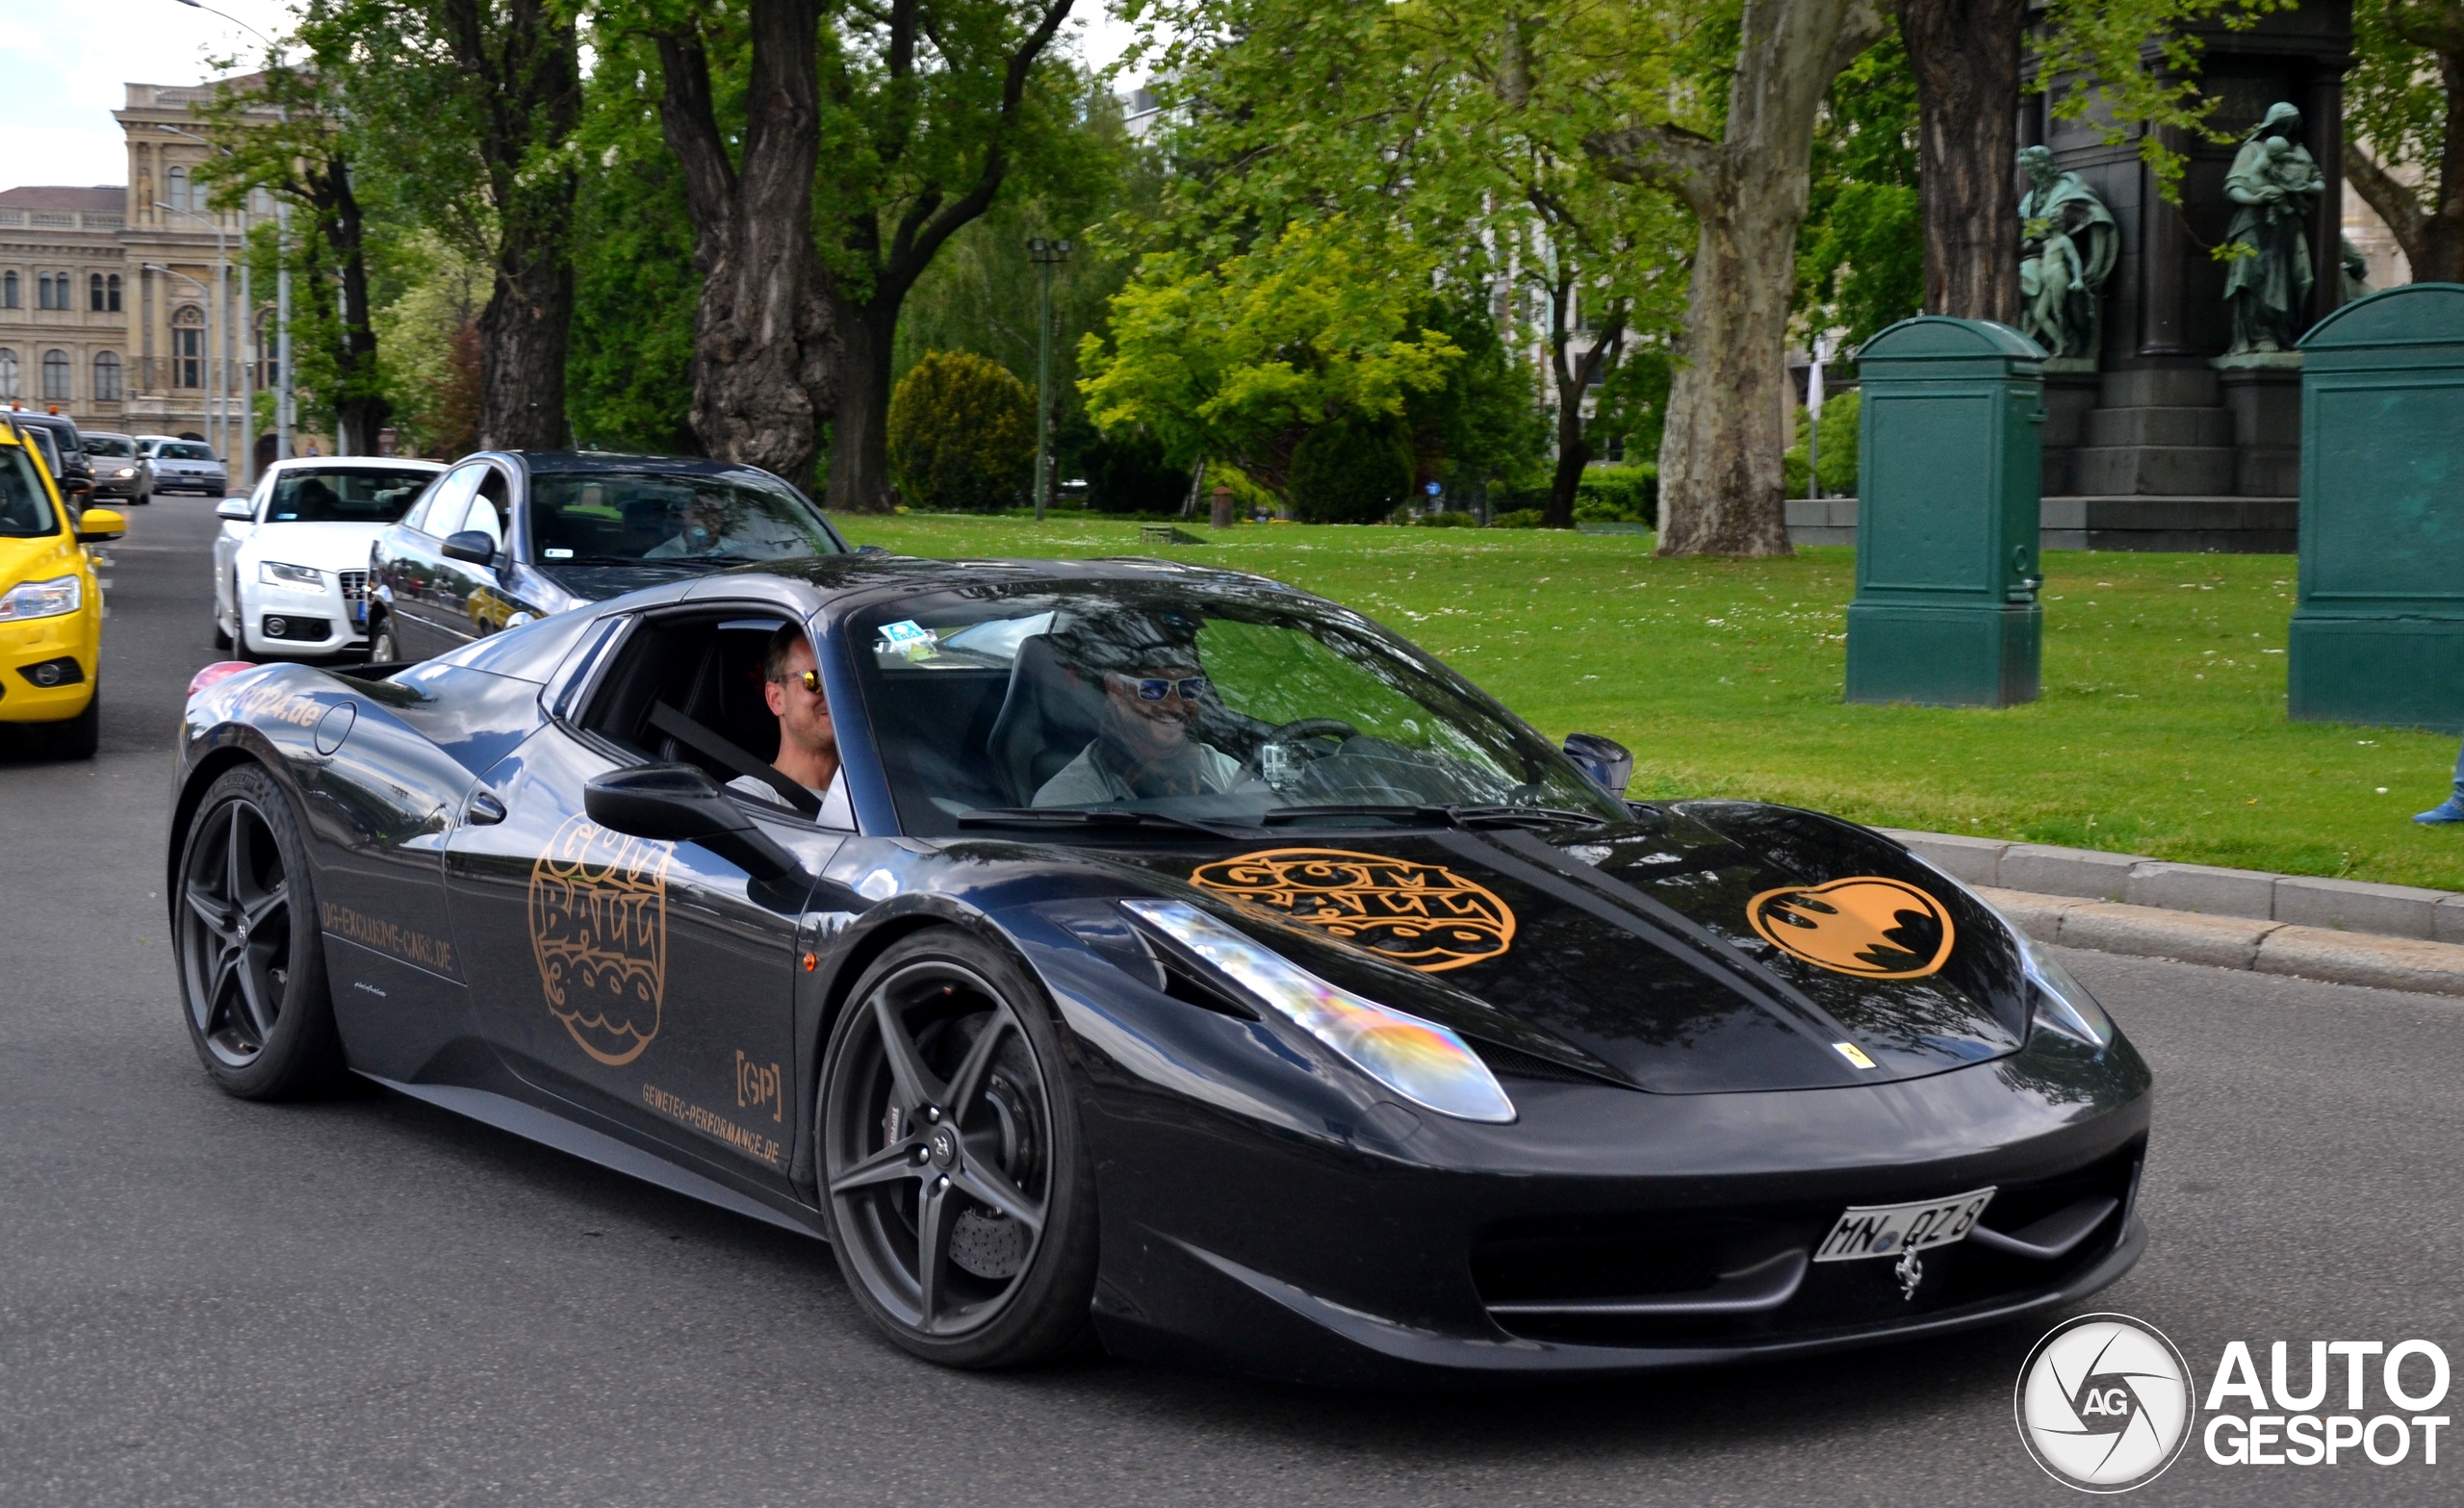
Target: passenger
700	531
808	740
1152	690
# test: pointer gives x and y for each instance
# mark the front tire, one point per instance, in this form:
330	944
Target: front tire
245	935
956	1180
81	735
383	649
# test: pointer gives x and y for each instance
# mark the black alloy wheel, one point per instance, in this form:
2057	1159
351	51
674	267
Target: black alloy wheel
252	967
959	1192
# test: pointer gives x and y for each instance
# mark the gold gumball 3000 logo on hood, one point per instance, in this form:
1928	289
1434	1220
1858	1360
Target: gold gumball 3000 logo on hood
1424	916
598	930
1867	926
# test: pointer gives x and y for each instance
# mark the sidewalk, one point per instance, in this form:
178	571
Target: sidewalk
2339	931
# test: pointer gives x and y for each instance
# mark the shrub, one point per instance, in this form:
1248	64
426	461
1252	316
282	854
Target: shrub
1126	472
1351	473
1447	521
1519	519
1618	495
961	434
1839	449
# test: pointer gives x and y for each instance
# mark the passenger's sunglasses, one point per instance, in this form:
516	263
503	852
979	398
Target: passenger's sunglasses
1155	688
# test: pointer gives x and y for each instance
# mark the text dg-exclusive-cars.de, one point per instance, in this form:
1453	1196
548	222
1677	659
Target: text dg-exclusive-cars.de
1379	1043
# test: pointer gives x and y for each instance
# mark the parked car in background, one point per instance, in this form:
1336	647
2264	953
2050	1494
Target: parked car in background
63	451
185	465
121	474
51	603
290	563
509	536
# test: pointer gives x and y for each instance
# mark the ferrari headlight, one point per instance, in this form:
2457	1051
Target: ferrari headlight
2061	1004
296	579
1420	1060
41	599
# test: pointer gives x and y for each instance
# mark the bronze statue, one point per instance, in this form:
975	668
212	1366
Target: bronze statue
2067	244
2275	185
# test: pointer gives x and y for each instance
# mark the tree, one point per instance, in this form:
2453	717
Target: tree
961	433
1719	464
2404	114
763	371
1241	361
1357	471
1860	255
1965	57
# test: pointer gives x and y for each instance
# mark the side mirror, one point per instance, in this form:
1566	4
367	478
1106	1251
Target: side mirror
871	549
679	804
236	509
473	545
96	525
80	486
1606	761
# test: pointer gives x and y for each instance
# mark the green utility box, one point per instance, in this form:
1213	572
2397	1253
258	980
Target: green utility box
1948	477
2379	628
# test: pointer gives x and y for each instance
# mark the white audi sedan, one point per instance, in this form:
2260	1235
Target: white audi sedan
291	564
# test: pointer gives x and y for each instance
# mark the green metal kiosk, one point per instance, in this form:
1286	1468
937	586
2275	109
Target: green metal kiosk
1947	503
2378	625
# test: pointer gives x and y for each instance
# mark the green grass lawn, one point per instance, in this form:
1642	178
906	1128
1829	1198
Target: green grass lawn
2162	729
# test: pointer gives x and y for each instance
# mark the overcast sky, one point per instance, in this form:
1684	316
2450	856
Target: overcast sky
63	66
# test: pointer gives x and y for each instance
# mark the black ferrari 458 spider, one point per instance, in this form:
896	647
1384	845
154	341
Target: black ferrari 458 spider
1176	960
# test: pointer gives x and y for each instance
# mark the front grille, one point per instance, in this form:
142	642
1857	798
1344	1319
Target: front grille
1741	1276
355	585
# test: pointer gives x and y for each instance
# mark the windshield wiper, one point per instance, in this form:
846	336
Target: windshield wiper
1433	816
1085	817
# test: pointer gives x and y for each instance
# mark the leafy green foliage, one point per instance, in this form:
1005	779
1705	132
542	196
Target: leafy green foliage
1127	472
1861	254
2128	67
1618	495
1241	360
1837	432
961	433
1356	471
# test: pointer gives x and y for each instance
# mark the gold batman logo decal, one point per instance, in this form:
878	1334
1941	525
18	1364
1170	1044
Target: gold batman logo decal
599	932
1422	917
1866	925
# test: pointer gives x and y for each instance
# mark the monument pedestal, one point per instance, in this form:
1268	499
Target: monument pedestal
2156	431
2264	393
2070	386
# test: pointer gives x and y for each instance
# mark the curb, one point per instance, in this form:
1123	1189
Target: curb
2236	942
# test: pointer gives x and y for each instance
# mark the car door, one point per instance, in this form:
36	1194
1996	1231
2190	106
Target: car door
409	563
650	982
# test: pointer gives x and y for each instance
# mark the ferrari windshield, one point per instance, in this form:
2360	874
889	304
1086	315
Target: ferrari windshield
25	508
344	495
626	518
1208	704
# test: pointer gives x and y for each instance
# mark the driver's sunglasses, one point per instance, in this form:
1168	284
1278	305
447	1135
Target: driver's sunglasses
1155	688
810	679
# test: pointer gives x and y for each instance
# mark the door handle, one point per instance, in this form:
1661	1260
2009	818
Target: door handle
482	810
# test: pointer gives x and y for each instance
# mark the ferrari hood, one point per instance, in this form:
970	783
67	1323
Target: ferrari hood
1719	947
328	547
599	583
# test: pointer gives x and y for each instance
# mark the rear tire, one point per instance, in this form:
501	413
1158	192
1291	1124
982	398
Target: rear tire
243	934
956	1185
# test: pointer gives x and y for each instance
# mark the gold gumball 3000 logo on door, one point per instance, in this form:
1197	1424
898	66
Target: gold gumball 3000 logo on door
598	931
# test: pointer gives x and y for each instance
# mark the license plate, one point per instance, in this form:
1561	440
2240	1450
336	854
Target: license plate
1886	1230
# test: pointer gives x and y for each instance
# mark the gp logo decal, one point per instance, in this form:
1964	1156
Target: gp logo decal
598	930
1866	925
1424	916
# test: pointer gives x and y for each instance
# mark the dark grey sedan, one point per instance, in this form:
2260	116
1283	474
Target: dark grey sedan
509	536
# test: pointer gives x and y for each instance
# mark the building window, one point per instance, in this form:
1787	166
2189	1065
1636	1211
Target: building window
55	377
107	377
111	294
179	182
9	289
94	292
42	290
188	348
8	374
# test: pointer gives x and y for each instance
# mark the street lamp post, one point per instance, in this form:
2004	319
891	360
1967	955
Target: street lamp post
218	417
1046	255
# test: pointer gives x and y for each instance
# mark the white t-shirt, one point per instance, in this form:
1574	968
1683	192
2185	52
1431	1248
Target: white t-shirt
836	810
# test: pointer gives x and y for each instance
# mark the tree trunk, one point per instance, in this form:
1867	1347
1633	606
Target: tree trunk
360	410
860	420
762	345
1720	477
1574	379
2433	238
1966	54
522	344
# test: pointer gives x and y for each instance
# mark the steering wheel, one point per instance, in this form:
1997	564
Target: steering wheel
1276	765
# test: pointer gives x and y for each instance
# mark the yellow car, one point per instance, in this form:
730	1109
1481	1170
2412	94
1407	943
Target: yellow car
51	607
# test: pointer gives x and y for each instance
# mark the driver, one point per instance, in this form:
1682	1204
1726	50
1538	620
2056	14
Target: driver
1152	686
705	524
808	740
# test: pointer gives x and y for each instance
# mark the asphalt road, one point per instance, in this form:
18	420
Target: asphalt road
370	1301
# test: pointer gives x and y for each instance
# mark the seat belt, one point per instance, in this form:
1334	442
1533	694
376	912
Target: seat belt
684	731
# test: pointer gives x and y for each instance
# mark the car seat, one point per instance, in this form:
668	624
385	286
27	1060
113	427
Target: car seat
1048	717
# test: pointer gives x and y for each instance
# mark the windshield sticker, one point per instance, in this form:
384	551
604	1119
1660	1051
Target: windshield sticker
1866	925
553	553
599	932
1422	917
907	638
